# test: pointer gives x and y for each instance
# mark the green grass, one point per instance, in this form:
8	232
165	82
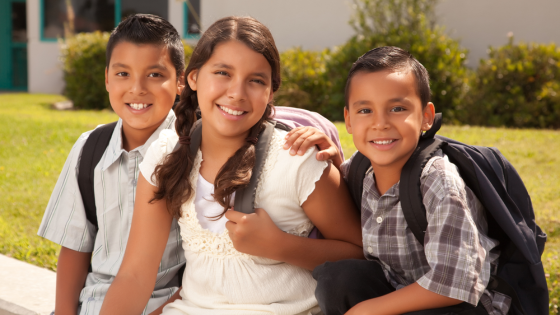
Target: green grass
35	140
34	144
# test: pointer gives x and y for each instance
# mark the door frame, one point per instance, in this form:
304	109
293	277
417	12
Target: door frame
7	46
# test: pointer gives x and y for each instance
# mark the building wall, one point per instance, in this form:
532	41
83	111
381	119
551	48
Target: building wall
44	72
311	24
318	24
483	23
175	14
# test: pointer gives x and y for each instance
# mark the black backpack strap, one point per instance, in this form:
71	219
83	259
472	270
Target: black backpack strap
93	150
410	194
356	174
245	196
495	162
281	126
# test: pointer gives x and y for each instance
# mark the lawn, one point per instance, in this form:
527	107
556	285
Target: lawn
35	141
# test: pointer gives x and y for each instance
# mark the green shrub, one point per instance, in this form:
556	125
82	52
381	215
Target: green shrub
83	58
517	86
441	55
302	79
316	80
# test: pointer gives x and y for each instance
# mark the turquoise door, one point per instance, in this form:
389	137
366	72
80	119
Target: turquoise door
13	45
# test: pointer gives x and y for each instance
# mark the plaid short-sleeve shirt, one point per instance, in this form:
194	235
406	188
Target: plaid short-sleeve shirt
457	257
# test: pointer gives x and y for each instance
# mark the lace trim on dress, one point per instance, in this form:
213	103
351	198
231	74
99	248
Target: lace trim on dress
272	152
196	238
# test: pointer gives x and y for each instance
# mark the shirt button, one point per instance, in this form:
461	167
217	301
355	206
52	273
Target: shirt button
370	250
379	219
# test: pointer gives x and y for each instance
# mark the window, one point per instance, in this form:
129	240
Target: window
130	7
88	16
93	15
192	19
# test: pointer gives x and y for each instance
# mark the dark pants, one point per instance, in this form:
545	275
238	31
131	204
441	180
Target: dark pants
343	284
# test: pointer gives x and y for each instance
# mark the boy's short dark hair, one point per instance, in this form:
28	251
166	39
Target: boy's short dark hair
149	29
393	59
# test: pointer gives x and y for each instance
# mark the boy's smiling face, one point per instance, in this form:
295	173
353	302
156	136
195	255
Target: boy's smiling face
385	116
142	85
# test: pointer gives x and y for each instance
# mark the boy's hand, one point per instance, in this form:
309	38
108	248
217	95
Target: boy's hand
302	138
254	233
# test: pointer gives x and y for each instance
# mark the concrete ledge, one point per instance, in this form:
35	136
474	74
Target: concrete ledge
25	289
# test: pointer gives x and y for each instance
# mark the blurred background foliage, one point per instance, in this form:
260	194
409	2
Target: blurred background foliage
518	85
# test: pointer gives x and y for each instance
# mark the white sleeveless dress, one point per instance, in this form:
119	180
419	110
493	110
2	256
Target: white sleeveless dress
220	280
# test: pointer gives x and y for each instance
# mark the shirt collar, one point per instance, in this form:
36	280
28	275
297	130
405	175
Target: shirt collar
392	192
115	148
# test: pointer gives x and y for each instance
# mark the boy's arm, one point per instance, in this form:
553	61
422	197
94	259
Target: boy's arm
408	299
459	266
71	273
300	139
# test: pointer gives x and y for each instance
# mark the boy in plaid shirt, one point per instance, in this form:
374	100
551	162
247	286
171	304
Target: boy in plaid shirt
387	108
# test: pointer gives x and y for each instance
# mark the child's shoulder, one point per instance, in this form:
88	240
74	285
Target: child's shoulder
166	141
440	178
277	145
345	166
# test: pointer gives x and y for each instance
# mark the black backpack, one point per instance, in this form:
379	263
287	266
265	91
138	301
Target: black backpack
501	191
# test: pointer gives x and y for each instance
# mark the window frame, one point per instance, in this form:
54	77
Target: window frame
42	20
118	12
186	23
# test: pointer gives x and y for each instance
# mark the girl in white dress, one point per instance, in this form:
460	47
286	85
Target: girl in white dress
237	263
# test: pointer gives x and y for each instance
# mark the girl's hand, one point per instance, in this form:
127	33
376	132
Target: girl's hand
253	233
300	139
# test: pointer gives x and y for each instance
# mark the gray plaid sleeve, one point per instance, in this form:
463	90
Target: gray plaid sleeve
459	263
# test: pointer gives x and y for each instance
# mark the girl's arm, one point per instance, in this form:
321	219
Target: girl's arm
136	278
331	210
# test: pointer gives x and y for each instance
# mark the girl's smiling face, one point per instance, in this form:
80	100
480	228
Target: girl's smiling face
233	89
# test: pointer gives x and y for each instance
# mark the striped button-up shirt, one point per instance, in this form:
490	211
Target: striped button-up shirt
457	257
65	223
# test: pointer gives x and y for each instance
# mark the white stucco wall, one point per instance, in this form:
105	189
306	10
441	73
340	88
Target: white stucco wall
483	23
311	24
317	24
175	14
44	73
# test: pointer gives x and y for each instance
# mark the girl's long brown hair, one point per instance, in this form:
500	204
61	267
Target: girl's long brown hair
172	176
